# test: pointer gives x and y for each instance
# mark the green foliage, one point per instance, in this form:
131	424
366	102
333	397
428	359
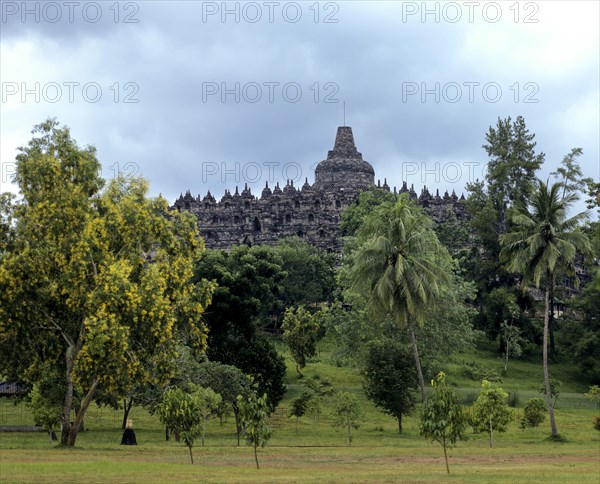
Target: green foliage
299	406
208	403
77	290
450	329
474	371
505	305
253	412
443	420
389	378
347	413
542	241
454	234
544	238
597	423
401	266
7	230
317	391
347	323
534	413
354	216
301	331
582	333
570	174
513	162
47	397
594	395
226	380
490	410
509	181
310	272
484	222
181	412
248	296
514	399
511	335
554	390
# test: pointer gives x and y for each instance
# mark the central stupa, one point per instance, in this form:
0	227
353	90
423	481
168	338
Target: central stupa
344	166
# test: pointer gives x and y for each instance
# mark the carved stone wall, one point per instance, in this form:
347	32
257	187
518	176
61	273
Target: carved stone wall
311	212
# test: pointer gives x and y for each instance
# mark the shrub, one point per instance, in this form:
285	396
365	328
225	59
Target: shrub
468	398
597	423
514	399
535	413
473	371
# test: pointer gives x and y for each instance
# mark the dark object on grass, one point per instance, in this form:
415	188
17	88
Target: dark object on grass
128	437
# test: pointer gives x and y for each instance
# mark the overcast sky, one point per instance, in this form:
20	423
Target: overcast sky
209	95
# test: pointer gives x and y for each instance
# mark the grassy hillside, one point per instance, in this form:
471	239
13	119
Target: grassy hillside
311	450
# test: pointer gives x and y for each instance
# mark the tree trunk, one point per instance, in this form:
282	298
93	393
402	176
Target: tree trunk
238	424
491	438
79	417
300	375
167	433
65	415
417	361
506	352
349	435
545	356
191	456
126	410
446	455
551	320
400	423
77	408
256	456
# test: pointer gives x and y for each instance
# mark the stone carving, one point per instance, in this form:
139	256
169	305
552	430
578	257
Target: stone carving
311	212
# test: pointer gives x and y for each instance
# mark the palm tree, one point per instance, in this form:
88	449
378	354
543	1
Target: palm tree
401	267
542	239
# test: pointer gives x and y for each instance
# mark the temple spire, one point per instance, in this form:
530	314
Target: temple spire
344	146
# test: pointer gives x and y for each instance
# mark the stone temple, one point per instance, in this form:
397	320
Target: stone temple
311	212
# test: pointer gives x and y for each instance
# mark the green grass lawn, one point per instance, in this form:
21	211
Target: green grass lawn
315	451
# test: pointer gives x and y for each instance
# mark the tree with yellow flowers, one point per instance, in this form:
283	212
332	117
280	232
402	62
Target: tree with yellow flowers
94	279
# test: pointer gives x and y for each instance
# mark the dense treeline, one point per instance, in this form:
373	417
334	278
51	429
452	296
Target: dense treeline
113	298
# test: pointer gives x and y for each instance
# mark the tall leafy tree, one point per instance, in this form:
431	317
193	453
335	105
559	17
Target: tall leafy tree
250	287
571	175
208	403
443	421
310	273
390	380
46	401
449	325
347	413
401	266
512	165
509	180
253	411
95	282
229	382
543	239
582	334
181	412
301	331
490	410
